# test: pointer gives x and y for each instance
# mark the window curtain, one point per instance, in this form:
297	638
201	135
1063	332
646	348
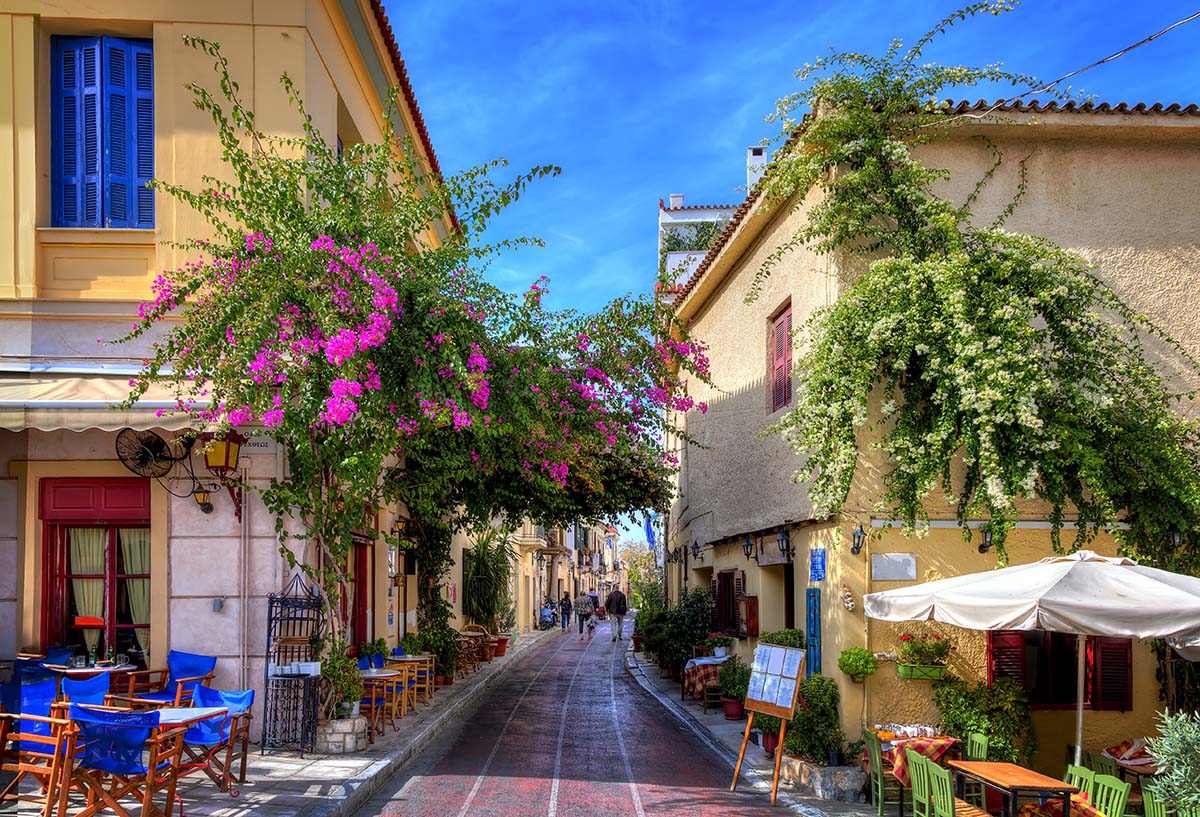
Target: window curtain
87	556
135	552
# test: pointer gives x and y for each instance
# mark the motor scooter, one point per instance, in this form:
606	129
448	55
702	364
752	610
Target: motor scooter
548	617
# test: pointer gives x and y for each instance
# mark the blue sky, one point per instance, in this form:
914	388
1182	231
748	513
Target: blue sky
637	100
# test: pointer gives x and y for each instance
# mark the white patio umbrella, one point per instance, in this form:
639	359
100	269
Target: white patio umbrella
1082	593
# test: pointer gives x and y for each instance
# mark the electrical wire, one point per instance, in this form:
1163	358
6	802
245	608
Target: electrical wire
1078	71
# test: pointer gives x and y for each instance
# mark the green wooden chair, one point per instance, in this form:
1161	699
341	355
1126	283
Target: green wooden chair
942	790
1101	764
881	781
1110	795
918	774
1153	806
977	749
1081	777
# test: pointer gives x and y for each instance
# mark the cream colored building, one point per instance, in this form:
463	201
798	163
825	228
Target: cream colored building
77	255
1120	186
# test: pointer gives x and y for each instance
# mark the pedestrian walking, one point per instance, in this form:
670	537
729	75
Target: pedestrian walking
616	606
595	600
564	610
583	611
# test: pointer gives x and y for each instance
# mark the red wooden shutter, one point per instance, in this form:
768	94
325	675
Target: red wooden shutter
739	590
714	606
1112	674
1006	656
781	360
99	499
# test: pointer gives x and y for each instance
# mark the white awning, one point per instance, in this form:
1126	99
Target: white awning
50	402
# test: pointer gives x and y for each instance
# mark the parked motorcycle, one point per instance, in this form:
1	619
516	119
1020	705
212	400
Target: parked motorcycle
548	617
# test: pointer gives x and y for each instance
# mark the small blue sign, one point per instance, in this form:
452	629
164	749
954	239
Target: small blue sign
816	568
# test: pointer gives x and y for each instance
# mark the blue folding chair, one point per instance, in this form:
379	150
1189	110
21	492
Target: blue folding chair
125	755
364	663
31	694
39	749
172	686
398	651
58	655
215	745
92	691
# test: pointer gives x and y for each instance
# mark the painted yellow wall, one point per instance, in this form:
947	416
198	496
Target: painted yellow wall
1121	190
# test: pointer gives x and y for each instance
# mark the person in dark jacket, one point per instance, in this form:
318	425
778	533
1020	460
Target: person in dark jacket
616	606
564	610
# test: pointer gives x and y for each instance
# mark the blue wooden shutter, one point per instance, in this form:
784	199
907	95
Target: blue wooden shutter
143	133
75	162
129	132
812	631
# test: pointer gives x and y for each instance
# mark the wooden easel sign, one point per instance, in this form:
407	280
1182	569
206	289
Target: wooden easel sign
774	690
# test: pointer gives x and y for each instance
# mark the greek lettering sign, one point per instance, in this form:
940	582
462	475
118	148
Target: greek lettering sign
816	565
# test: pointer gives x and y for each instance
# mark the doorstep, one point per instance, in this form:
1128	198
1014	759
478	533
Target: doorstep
282	784
725	738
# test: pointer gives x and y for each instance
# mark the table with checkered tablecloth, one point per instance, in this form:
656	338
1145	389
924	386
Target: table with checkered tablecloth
1080	807
699	673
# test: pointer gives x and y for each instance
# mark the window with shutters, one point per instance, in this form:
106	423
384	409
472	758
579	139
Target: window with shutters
779	360
102	132
1046	665
727	590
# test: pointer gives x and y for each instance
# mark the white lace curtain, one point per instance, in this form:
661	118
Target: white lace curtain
87	556
135	552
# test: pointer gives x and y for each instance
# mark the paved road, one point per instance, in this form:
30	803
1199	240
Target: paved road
567	734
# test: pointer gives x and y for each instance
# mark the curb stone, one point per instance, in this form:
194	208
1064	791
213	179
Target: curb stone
749	775
359	788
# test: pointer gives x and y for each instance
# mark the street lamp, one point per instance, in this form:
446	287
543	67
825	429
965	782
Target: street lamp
748	547
858	539
696	551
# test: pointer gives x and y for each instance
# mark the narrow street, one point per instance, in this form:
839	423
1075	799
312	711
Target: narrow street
568	733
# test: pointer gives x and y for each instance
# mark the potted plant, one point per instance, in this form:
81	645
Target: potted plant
923	658
858	663
719	644
341	672
815	732
411	644
734	680
768	726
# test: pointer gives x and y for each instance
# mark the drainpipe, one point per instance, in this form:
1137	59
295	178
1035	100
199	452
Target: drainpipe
243	588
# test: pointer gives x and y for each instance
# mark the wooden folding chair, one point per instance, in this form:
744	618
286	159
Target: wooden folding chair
40	749
172	686
218	746
123	756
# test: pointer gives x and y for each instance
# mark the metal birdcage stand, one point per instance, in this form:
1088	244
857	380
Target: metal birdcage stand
290	703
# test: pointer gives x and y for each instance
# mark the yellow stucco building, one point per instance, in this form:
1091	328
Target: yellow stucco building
93	103
1116	184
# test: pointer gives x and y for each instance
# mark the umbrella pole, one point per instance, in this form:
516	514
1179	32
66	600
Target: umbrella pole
1081	659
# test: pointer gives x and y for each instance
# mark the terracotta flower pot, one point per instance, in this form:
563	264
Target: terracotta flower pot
734	711
439	680
770	742
449	680
637	643
501	645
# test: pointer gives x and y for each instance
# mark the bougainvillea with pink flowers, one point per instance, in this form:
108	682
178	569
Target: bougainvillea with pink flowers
338	307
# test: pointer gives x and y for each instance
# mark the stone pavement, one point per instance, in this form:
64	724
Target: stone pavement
282	784
725	738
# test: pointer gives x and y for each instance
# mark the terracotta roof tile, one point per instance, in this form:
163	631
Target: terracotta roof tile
954	108
662	206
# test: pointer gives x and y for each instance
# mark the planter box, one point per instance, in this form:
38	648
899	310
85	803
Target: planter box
920	672
341	736
841	783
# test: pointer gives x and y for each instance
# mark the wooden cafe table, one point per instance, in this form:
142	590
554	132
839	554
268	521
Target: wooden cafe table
1013	781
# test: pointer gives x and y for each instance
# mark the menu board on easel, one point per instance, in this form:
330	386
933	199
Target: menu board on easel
774	690
775	680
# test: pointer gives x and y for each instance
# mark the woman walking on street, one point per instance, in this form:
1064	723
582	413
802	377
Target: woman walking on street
564	611
583	611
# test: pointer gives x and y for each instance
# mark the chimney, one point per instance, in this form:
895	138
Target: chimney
756	166
676	200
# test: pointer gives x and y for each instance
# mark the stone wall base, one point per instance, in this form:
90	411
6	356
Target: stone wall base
342	736
842	783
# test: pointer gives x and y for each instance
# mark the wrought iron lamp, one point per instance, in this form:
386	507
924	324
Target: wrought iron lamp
696	551
986	544
748	547
857	540
221	458
201	495
785	544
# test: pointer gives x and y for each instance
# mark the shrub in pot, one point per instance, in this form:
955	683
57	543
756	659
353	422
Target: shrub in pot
999	711
734	681
719	644
815	733
790	637
768	725
687	624
858	663
340	671
1178	751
